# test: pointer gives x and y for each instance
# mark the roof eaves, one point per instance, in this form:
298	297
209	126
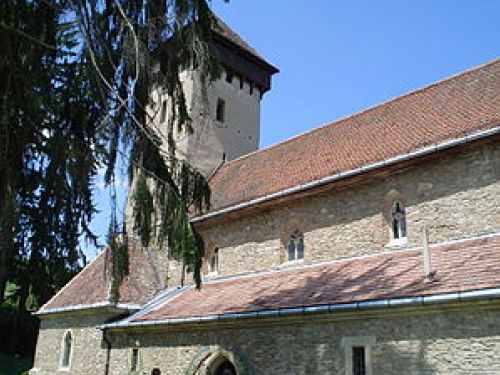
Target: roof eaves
89	306
169	295
387	303
454	142
162	298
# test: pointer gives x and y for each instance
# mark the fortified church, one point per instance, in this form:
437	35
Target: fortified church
370	245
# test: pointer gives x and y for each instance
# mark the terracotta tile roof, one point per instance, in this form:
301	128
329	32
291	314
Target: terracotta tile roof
92	284
463	104
461	266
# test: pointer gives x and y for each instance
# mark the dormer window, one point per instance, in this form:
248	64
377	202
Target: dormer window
398	221
220	110
295	246
213	263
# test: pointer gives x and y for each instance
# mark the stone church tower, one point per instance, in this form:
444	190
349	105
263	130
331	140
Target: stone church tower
226	113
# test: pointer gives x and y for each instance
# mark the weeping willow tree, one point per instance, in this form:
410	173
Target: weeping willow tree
75	97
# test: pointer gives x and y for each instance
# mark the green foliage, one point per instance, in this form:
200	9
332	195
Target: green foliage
137	49
120	266
49	149
76	78
14	365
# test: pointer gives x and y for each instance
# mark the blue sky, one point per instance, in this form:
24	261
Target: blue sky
340	57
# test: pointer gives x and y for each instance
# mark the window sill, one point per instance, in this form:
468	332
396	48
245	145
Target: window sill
397	242
293	262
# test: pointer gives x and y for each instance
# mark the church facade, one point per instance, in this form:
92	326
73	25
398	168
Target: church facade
370	245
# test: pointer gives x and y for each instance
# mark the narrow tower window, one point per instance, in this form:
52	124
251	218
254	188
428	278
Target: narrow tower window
295	246
220	111
66	350
398	217
163	112
229	76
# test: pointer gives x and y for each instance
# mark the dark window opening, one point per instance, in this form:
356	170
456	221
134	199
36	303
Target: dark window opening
242	83
155	371
398	221
295	246
225	368
220	112
229	77
67	349
135	360
163	112
358	360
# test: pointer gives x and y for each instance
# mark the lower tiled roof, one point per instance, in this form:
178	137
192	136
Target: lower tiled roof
460	266
91	287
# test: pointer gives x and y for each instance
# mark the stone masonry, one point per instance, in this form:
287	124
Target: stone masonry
454	196
442	343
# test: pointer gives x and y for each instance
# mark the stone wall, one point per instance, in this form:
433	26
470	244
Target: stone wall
441	343
88	350
454	196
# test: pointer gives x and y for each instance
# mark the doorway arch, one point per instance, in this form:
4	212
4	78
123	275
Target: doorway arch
219	361
221	366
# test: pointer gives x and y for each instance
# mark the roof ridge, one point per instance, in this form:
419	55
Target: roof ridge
397	98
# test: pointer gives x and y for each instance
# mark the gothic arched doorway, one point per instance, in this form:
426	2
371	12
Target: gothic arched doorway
225	368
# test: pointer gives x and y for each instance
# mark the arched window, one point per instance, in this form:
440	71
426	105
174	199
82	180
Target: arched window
295	245
66	350
398	221
134	360
156	371
213	262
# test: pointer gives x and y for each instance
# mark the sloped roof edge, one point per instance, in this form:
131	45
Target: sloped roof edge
351	173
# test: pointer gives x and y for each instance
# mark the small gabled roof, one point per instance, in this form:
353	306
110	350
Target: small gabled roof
462	105
237	56
92	286
461	266
222	29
